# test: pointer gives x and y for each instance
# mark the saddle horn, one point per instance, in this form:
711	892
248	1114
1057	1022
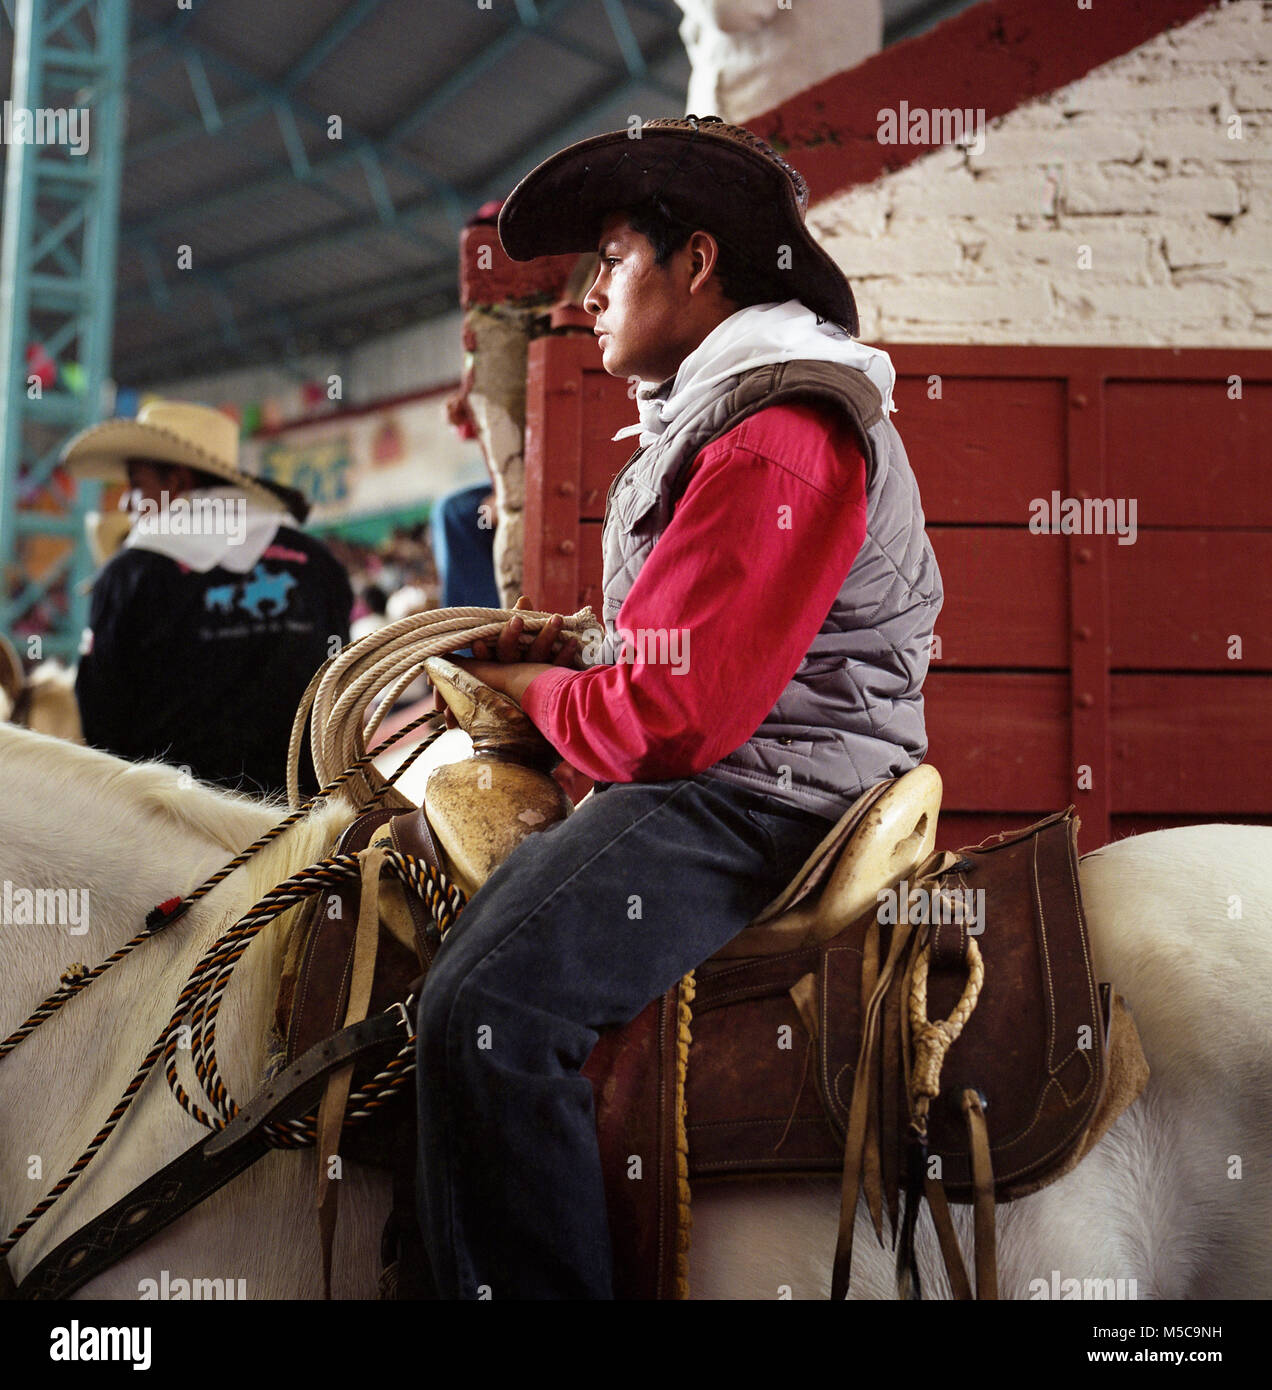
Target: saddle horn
481	808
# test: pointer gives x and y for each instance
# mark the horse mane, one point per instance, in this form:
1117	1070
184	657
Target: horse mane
227	820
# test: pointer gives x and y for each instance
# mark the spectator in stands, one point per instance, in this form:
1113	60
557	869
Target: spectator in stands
207	626
375	600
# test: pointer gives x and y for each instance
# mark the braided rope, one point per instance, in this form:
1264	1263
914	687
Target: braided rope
444	900
933	1039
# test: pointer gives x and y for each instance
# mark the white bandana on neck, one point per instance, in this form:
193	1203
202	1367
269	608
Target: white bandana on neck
208	527
754	337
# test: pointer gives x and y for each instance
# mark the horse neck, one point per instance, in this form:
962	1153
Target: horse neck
125	856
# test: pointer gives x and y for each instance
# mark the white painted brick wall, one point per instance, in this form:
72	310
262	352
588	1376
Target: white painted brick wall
1160	163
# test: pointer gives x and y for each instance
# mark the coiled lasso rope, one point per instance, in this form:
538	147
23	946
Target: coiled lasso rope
387	661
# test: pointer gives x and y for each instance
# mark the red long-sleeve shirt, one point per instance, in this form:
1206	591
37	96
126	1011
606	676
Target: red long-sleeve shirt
743	578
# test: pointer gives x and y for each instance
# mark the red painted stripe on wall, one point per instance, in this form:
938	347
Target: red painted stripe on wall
994	57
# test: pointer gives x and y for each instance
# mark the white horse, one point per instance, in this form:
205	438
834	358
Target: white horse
1176	1198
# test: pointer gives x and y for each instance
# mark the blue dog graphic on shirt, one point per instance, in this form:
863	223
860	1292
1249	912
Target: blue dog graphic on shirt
264	593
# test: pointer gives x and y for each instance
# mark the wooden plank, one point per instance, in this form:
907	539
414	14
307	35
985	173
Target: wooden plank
1006	598
1013	361
985	448
1001	433
1090	747
552	468
608	405
1192	745
1000	741
1178	598
1188	454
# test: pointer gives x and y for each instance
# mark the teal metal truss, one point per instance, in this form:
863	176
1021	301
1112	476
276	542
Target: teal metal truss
57	292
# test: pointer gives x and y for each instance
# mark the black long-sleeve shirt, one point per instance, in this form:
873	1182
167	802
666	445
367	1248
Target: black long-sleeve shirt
205	671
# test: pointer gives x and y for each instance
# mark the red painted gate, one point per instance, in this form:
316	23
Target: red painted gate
1132	679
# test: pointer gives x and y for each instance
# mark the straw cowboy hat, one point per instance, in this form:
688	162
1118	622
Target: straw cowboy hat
741	189
176	432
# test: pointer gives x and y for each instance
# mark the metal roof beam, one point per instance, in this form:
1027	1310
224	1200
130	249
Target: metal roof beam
202	89
266	95
674	94
224	312
317	54
154	38
185	129
274	183
467	74
408	213
139	237
607	92
296	151
141	233
292	247
378	187
160	294
624	37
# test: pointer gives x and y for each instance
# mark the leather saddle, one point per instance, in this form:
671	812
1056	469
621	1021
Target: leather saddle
752	1066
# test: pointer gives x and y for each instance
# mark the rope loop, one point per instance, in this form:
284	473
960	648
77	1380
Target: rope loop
932	1039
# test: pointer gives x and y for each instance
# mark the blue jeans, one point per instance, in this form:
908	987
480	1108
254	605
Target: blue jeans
577	931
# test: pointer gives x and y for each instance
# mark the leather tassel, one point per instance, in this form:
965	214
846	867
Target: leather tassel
331	1109
983	1199
909	1285
855	1139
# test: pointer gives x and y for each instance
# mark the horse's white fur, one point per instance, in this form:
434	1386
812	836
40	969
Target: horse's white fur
1154	1202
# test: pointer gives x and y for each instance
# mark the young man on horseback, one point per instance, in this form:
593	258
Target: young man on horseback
769	598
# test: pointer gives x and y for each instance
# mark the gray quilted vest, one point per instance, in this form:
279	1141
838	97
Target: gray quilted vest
852	713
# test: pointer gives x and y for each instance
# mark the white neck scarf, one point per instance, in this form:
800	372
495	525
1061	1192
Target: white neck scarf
208	527
754	337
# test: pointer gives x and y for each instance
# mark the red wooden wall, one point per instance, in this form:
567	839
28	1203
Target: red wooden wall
1070	668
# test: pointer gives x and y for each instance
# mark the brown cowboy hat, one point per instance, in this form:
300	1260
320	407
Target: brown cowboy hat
177	432
743	191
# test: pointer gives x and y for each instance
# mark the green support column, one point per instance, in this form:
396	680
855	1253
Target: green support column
57	289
